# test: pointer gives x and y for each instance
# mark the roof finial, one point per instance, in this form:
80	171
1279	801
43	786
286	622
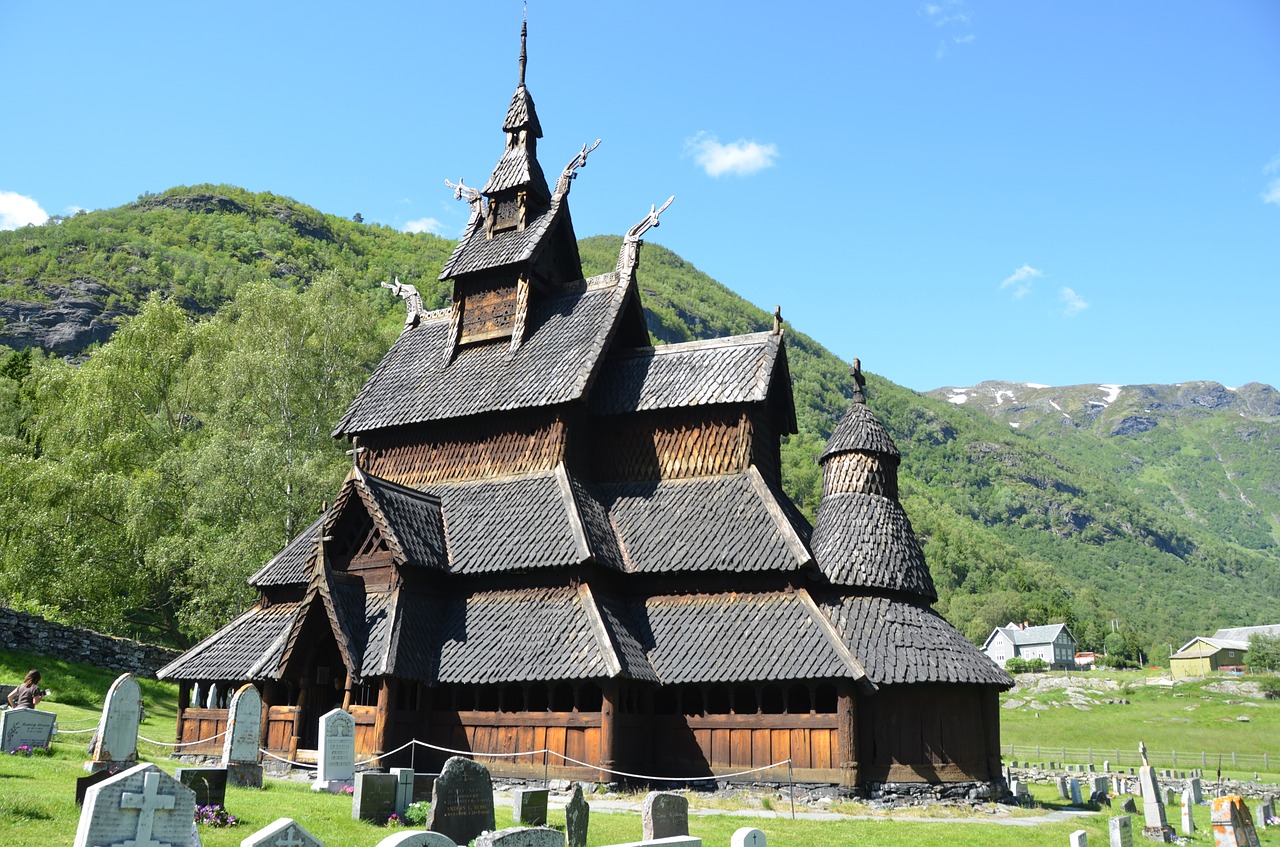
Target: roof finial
524	35
777	320
860	383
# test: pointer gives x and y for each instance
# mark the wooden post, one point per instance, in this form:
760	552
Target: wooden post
847	733
380	716
184	700
296	739
608	727
346	694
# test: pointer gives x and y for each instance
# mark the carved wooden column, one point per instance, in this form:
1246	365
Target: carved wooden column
184	701
380	717
847	733
608	727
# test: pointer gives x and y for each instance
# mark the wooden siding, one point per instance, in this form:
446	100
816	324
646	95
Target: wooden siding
198	724
463	451
860	473
282	730
571	734
698	745
926	733
671	444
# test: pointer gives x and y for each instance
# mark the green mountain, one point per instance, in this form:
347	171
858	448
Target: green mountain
201	343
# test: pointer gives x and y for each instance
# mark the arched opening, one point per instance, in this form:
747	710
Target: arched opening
562	697
537	700
744	700
798	700
824	699
590	698
771	700
718	700
691	700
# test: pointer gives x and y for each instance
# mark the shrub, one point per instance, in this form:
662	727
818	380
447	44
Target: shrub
416	813
1016	665
1270	687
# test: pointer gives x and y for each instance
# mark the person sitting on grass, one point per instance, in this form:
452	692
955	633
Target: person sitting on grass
27	695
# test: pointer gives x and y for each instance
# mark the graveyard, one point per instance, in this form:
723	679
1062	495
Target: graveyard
37	803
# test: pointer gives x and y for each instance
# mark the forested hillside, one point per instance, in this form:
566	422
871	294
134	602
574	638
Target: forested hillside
146	476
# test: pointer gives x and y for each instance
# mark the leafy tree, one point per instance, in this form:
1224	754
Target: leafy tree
1263	653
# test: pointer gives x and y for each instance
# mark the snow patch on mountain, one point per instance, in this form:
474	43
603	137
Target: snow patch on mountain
1113	391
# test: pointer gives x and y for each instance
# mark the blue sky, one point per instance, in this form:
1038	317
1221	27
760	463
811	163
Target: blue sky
1051	192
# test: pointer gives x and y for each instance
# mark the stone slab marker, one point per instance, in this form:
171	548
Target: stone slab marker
116	744
747	836
25	728
1120	831
209	785
663	814
529	806
520	836
285	832
404	788
416	838
1076	798
577	814
673	841
240	754
141	807
1079	838
336	757
1155	824
375	797
461	800
1188	823
84	783
1232	823
1197	790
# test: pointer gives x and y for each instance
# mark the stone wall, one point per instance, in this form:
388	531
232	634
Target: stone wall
34	634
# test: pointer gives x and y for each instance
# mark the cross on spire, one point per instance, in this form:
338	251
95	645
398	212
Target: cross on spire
147	803
355	452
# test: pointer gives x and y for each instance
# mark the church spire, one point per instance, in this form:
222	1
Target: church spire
524	37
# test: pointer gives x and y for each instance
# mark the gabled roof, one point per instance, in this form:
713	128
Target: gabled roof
536	521
732	637
292	565
1212	645
479	251
739	369
415	382
1031	635
248	648
734	523
1242	633
866	541
899	642
409	520
521	114
861	431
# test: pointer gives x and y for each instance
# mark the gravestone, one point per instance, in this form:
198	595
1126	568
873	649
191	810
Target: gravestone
1064	793
416	838
84	783
529	806
141	806
1266	812
1155	824
1232	823
673	841
663	814
244	732
336	756
461	800
1079	838
747	836
1120	831
1188	823
577	813
404	788
1101	783
375	797
209	785
519	836
116	744
1129	806
1106	766
285	832
25	728
1076	798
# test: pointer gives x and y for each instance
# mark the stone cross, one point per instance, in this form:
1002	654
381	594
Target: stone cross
140	807
147	803
283	832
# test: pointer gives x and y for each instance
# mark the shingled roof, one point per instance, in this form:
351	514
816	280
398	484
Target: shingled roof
866	541
749	637
730	523
292	565
739	369
248	648
410	521
859	430
415	382
899	642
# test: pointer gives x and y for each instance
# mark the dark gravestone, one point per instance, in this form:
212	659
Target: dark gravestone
663	815
529	806
375	797
461	801
209	784
422	787
84	783
577	813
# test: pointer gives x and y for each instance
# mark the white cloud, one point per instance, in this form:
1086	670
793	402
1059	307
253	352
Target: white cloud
1272	192
424	225
17	210
738	158
1073	304
1021	278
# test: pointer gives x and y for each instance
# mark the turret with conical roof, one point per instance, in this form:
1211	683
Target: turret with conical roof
862	537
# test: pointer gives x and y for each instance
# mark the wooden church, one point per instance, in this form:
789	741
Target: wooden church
558	535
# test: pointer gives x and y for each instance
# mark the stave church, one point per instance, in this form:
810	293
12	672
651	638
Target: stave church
557	535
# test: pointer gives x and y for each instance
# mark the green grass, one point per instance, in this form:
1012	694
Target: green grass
1187	719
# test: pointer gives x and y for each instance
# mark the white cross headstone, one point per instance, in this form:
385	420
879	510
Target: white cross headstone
140	807
747	836
284	832
117	739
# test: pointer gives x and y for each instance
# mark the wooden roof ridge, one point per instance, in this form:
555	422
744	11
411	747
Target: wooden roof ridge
856	670
604	639
212	638
373	490
572	509
788	531
290	550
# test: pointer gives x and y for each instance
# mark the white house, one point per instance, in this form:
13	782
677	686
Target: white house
1053	643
